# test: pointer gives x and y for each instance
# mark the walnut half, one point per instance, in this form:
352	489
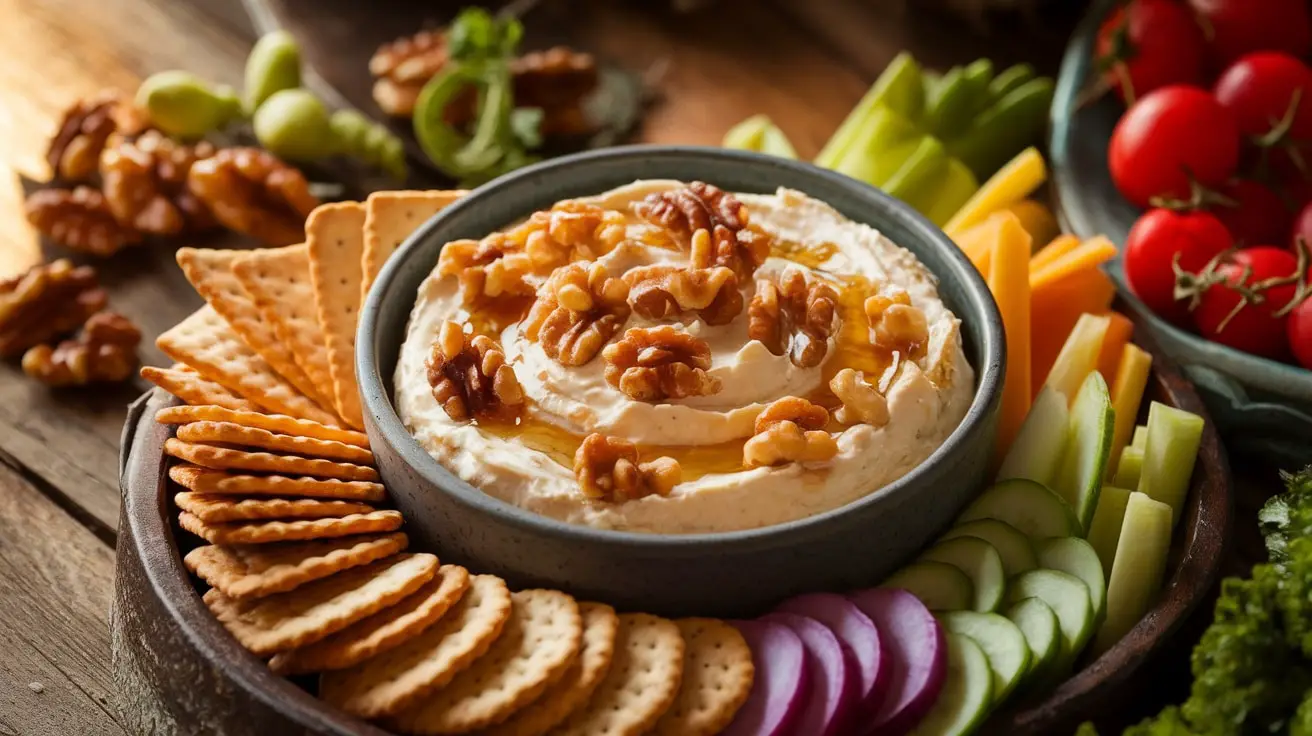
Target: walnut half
607	469
862	402
470	377
655	363
793	317
897	325
577	311
104	352
712	223
666	290
790	430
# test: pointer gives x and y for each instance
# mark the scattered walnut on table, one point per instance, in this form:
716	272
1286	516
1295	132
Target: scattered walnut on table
252	192
657	363
897	325
790	430
79	219
104	352
470	377
666	290
862	402
607	469
577	312
74	150
793	317
145	184
48	301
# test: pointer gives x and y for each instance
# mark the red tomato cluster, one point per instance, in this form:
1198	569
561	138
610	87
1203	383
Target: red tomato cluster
1216	144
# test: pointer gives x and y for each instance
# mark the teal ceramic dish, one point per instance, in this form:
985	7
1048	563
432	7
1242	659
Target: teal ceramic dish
1262	406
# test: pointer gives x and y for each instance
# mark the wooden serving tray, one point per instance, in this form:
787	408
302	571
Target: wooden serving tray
177	670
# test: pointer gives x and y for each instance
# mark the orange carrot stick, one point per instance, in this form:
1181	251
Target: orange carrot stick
1090	254
1118	334
1060	246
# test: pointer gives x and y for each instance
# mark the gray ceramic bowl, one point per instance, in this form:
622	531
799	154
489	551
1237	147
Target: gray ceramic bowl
728	574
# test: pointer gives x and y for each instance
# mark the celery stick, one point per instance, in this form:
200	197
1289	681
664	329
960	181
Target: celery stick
1169	454
1129	468
899	88
956	189
1136	577
1036	452
881	147
1140	437
917	180
1105	530
759	133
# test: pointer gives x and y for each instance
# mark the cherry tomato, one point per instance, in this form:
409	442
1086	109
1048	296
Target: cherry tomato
1298	329
1237	27
1260	90
1152	247
1168	136
1258	214
1254	328
1147	44
1302	226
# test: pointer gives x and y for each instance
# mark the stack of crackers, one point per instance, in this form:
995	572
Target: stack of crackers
307	571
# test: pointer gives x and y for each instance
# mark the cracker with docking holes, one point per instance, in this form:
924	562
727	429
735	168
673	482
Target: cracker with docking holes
404	676
387	629
278	280
208	344
227	433
277	423
390	218
264	532
209	481
334	234
717	678
224	458
243	571
219	509
539	642
193	388
641	684
285	621
576	686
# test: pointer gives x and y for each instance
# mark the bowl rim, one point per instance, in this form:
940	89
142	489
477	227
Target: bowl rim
977	299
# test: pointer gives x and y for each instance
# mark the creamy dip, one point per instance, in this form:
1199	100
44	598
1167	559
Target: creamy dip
529	463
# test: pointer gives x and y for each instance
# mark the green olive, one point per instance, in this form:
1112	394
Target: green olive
184	106
293	125
274	64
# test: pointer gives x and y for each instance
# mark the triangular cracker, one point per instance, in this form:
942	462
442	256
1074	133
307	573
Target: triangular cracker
207	343
390	218
278	280
210	271
335	236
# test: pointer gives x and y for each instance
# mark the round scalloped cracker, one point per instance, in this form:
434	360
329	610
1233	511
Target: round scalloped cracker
264	532
289	620
218	508
536	647
717	678
387	629
401	677
221	482
576	686
227	433
243	571
277	423
640	685
224	458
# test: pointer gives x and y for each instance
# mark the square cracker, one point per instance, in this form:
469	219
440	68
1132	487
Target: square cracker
278	280
228	458
207	343
335	237
210	481
266	532
390	218
244	571
211	272
193	388
218	508
276	423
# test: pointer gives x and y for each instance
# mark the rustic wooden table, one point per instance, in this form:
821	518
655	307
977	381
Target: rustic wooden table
804	64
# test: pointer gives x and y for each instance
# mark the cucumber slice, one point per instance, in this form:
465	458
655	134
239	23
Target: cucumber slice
1079	480
1169	454
1030	507
966	695
1068	598
1077	557
940	586
1140	438
1042	631
1036	452
1129	469
1137	572
1105	529
1002	642
1013	547
981	563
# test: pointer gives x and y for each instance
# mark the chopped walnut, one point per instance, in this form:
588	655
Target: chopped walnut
743	251
656	363
793	317
897	325
145	184
470	376
862	402
250	191
712	223
74	150
570	230
666	290
411	58
577	311
79	219
790	430
608	470
104	352
45	303
487	267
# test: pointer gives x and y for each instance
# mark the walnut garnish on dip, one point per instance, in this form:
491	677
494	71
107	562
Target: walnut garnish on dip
666	291
579	309
791	430
469	376
712	223
793	317
607	469
862	402
897	325
657	363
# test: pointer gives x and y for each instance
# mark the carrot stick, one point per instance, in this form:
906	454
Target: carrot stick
1009	281
1054	310
1118	334
977	241
1091	253
1060	246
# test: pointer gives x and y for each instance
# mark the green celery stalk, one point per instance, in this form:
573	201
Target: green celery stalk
917	180
758	133
1169	454
882	145
1129	468
899	88
957	187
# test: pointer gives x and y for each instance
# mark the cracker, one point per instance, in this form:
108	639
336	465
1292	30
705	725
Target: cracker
640	685
387	629
573	689
192	388
227	433
205	480
401	677
284	621
207	343
210	271
335	237
390	218
218	508
539	642
278	280
717	678
243	571
263	532
223	458
276	423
